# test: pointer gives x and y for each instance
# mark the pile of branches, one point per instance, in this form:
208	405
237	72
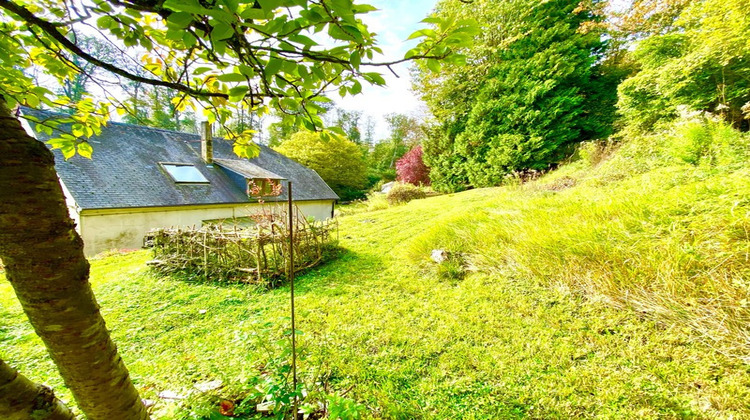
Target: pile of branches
256	254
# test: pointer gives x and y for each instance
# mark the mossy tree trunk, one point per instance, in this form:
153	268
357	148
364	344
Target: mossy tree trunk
21	399
44	262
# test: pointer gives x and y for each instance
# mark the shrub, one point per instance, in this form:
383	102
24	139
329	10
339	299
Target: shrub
376	201
410	168
403	193
707	141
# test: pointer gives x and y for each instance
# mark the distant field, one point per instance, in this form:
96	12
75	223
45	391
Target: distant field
616	287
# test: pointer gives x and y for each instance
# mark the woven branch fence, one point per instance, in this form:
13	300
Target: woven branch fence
255	254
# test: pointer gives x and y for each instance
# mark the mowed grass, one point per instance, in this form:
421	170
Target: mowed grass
595	300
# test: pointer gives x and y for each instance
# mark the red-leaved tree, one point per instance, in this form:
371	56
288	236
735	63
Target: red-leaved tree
411	168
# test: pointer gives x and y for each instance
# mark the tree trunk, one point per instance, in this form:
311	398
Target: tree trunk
21	399
44	262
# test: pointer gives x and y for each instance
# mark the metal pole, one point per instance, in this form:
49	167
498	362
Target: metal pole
291	285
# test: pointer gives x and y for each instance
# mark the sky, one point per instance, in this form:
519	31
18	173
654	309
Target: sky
393	23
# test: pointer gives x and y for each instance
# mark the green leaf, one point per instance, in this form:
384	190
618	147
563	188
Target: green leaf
68	151
363	8
247	150
237	93
174	34
337	33
375	78
422	32
77	130
32	100
232	77
85	150
302	39
289	103
272	67
180	19
432	19
246	70
269	5
411	53
189	39
356	59
232	5
106	22
433	65
221	31
201	70
251	13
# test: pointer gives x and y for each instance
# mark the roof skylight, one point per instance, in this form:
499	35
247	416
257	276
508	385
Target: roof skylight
187	174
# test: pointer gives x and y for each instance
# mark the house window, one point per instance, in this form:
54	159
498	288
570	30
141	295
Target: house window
184	174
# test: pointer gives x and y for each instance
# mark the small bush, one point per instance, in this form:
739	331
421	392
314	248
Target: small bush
707	141
376	201
403	193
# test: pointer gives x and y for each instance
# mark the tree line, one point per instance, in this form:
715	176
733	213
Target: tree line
544	76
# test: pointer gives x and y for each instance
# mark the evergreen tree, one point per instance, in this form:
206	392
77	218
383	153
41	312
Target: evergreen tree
530	93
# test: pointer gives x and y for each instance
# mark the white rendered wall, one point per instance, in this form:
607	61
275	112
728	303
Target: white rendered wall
124	228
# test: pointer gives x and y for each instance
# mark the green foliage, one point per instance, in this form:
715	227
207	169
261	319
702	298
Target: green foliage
157	108
337	160
348	122
279	132
380	157
405	132
659	226
707	142
623	296
402	193
530	316
527	96
282	55
273	385
703	65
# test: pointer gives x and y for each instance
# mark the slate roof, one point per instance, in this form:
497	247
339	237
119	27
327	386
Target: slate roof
125	170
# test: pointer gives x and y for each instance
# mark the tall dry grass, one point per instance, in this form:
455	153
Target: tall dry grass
659	224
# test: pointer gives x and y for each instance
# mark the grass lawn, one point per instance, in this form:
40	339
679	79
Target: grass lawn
545	323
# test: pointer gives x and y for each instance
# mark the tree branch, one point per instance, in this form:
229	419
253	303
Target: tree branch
52	31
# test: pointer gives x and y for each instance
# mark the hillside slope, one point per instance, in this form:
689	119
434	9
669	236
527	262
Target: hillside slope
616	286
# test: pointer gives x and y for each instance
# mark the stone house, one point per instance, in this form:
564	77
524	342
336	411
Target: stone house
142	178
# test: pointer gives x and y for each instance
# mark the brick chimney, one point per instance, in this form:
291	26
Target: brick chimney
207	143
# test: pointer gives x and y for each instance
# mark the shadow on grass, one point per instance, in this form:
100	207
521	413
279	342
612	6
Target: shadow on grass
342	264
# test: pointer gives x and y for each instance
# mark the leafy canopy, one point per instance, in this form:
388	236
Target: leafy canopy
703	65
223	55
336	159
